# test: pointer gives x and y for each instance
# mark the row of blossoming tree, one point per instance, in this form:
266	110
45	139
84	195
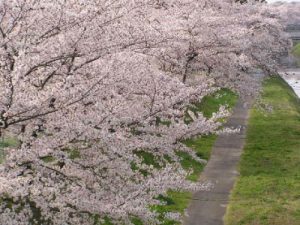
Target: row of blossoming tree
85	84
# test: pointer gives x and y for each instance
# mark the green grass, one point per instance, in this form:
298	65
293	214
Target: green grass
211	103
7	142
268	189
149	159
107	221
190	164
136	221
48	159
296	50
202	146
175	201
296	53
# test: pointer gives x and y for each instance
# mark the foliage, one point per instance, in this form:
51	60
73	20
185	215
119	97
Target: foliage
268	189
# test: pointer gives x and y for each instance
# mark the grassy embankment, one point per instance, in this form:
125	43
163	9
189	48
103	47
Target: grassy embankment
296	50
4	143
268	189
174	201
296	53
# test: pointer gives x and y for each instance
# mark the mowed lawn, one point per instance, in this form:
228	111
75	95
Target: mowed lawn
296	53
268	189
296	50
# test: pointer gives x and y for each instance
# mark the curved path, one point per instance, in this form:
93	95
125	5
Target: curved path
208	207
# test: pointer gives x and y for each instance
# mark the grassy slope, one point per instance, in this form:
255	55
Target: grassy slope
268	190
7	142
296	50
212	103
296	53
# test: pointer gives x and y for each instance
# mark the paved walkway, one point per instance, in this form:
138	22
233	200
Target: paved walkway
208	207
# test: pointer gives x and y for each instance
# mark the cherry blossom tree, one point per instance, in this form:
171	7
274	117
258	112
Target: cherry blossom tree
289	12
212	37
64	92
87	86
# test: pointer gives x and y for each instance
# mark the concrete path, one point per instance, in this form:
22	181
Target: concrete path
208	207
